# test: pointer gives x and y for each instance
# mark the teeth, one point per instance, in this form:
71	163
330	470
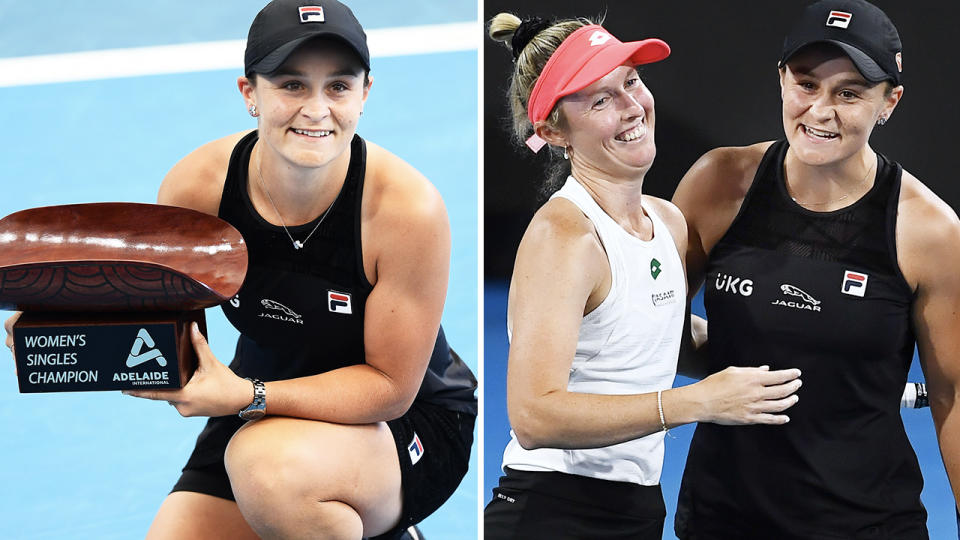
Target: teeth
818	133
318	133
631	135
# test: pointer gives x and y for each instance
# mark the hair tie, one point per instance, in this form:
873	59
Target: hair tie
524	33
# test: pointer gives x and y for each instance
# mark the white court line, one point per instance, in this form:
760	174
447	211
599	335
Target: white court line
213	55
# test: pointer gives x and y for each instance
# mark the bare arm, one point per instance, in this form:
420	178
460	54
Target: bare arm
930	234
400	327
560	273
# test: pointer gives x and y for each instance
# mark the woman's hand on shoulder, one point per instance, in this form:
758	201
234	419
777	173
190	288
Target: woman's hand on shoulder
196	181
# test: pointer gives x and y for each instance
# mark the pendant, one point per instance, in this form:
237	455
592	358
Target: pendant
297	244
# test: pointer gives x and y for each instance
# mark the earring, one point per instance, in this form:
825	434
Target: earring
882	120
565	154
253	111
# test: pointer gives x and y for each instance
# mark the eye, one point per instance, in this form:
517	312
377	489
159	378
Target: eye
601	102
292	85
339	86
848	94
632	82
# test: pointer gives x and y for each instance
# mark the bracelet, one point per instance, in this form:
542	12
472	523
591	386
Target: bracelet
663	422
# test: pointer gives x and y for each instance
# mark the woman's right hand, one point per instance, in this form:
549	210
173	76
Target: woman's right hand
747	395
8	326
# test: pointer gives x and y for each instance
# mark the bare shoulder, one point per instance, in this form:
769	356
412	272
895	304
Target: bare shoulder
712	191
928	232
394	189
672	217
725	172
560	234
196	181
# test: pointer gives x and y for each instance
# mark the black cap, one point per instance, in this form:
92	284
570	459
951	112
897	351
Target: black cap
284	25
859	28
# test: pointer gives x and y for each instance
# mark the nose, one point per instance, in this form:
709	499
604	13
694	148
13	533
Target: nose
632	108
315	106
822	107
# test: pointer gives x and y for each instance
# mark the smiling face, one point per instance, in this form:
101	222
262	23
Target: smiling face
609	125
309	107
829	109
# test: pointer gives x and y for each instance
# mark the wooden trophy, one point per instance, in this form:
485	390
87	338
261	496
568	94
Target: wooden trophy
109	291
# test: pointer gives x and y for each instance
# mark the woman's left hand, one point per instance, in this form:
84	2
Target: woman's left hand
214	389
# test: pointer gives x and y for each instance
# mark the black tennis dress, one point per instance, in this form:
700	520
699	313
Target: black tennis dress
301	312
820	291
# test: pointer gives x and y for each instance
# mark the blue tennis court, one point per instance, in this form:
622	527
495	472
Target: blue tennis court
107	125
936	496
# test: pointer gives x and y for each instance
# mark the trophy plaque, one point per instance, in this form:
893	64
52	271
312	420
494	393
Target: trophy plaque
108	292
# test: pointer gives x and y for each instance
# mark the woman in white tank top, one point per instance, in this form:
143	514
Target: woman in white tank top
596	302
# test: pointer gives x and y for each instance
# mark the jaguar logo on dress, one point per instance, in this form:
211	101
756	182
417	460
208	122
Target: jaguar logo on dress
339	302
806	301
286	314
854	283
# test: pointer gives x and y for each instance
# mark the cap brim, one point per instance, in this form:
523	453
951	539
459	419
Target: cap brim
637	53
870	70
271	62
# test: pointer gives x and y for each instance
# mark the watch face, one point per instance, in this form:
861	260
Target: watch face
252	414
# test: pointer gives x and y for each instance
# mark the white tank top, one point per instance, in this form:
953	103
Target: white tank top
628	345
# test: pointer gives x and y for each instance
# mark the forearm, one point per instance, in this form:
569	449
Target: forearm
946	417
358	394
561	419
580	420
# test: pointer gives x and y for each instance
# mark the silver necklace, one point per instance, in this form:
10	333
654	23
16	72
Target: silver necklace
296	243
845	195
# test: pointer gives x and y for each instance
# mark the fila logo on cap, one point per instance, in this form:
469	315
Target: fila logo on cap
854	283
415	448
598	38
899	59
339	302
311	14
839	19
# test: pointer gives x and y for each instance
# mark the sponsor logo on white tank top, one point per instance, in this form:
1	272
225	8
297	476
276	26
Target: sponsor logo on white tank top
804	300
735	285
285	313
655	268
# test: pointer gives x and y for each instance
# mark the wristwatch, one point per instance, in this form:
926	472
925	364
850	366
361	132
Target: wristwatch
257	408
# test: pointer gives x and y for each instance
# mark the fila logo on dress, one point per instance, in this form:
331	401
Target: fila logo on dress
839	19
415	448
339	302
854	283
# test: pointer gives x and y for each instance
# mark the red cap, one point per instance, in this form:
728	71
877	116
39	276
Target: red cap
583	58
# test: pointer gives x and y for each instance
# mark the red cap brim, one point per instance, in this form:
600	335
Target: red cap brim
584	57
